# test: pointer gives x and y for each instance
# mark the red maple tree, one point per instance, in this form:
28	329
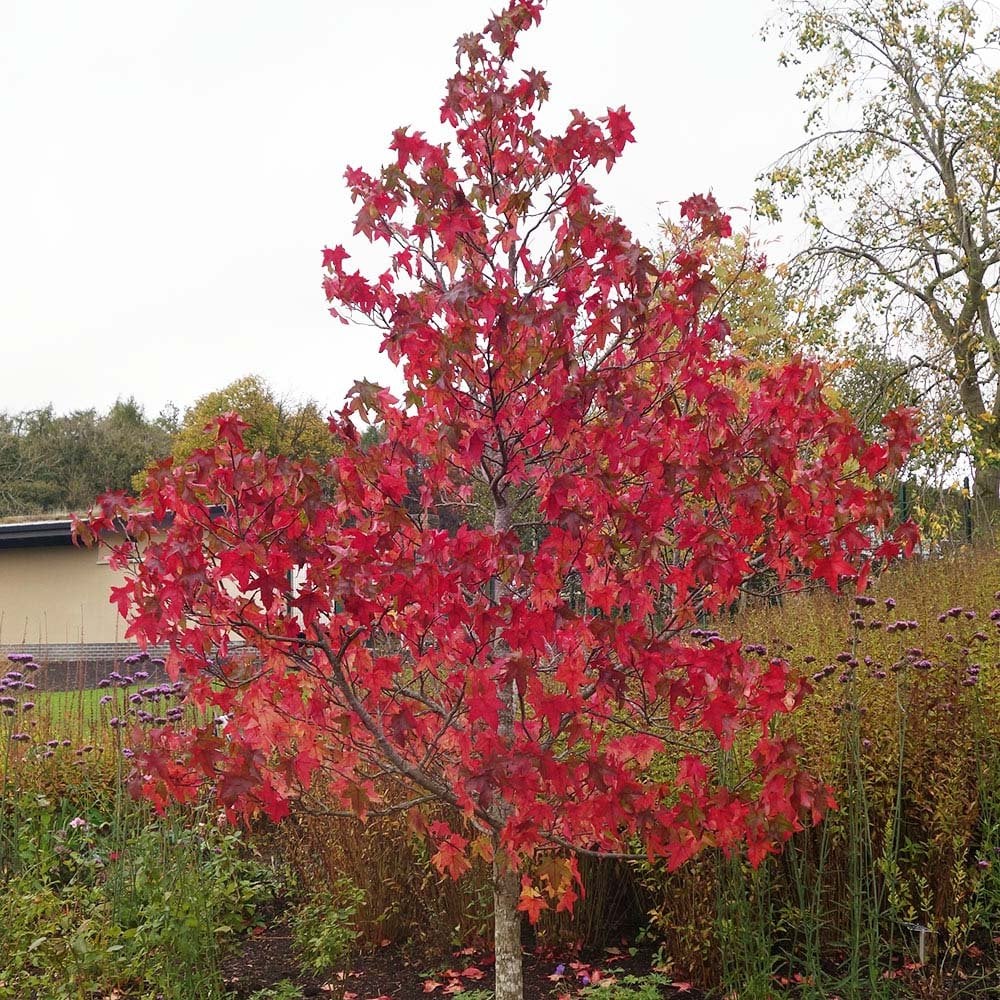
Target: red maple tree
492	597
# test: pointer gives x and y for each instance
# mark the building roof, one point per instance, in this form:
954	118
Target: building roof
31	534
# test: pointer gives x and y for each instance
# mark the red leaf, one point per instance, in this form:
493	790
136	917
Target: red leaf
531	903
335	258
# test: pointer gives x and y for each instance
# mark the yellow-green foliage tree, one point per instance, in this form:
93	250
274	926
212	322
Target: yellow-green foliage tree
751	294
277	426
899	179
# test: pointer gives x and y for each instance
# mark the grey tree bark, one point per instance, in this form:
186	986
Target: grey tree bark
507	933
506	880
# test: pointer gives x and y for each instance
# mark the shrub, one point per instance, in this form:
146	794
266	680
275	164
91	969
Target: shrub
323	928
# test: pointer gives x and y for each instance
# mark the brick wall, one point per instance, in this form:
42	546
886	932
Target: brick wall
73	666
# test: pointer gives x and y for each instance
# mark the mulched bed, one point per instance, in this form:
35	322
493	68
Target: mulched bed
267	959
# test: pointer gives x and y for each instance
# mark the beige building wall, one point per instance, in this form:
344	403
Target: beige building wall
57	594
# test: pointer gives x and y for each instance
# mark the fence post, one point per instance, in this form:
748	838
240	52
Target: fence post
902	503
967	508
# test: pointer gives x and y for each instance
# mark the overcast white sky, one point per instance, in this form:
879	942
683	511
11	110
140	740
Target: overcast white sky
171	170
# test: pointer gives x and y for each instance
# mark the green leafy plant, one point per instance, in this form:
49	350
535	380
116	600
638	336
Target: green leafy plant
285	989
630	987
323	930
102	898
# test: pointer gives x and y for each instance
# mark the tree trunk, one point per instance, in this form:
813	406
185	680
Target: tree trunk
506	882
507	933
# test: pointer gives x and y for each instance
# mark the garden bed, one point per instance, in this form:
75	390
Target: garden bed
268	960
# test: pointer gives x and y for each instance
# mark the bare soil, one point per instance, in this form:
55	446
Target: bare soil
267	958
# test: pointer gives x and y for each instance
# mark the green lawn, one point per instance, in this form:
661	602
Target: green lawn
70	711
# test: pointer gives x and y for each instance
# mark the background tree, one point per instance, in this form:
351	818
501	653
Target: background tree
276	426
23	489
550	363
898	179
57	463
756	299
